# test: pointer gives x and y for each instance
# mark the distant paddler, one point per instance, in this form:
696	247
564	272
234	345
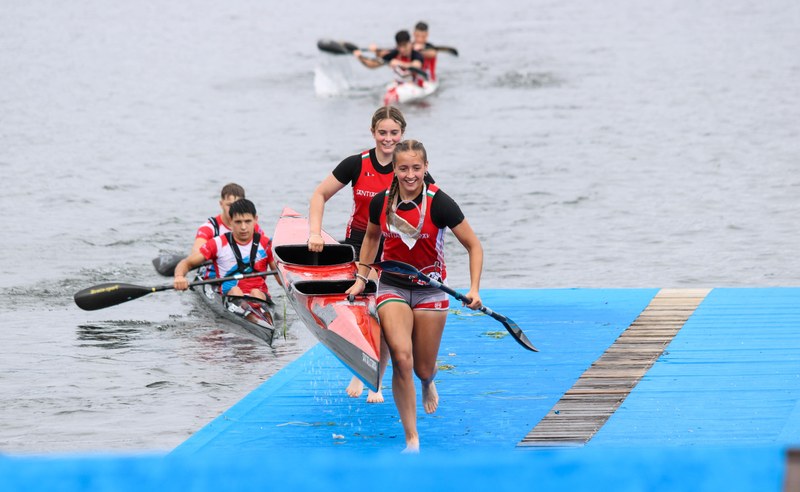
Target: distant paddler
429	51
403	58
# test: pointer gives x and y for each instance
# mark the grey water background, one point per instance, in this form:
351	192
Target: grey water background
590	144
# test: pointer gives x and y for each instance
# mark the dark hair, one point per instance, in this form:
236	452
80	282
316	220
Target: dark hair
402	37
388	113
232	189
421	26
242	206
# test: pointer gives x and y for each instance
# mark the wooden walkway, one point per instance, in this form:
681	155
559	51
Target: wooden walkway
597	394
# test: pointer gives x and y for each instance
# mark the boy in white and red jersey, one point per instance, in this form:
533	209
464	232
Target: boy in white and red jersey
240	250
219	225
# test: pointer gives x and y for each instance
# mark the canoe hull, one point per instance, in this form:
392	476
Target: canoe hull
405	92
315	285
263	327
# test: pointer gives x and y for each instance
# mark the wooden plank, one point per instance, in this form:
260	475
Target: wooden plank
598	393
791	481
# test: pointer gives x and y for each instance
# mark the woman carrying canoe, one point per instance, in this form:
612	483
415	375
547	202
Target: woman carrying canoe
369	173
412	217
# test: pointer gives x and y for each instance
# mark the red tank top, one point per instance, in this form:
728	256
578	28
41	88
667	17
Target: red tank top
427	254
430	66
369	183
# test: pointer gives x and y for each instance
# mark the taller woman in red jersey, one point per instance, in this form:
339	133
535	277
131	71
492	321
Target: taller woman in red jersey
412	217
368	172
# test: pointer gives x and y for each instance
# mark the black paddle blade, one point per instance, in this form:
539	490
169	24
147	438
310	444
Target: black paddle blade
110	294
517	333
333	47
166	263
447	49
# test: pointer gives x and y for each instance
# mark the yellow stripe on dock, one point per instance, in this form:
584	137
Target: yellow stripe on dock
600	390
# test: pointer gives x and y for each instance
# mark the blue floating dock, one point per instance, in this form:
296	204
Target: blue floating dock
717	411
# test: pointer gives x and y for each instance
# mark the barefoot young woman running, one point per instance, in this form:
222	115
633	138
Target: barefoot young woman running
412	218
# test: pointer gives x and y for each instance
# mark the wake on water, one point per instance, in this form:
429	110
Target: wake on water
332	76
336	76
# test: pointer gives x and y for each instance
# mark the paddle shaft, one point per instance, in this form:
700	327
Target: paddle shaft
345	48
461	297
510	326
416	70
238	276
400	268
110	294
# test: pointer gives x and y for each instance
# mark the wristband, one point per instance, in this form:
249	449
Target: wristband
359	276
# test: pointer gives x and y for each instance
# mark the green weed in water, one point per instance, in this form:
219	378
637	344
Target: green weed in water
496	334
465	312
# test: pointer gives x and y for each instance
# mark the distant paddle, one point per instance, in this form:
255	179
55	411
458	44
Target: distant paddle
113	293
400	268
335	47
346	48
445	49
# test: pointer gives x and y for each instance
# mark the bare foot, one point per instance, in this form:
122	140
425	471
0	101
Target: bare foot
412	446
430	398
375	396
355	388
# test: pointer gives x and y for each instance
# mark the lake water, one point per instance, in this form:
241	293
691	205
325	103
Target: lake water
590	144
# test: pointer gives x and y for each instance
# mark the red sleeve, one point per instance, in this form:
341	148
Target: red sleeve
209	250
205	231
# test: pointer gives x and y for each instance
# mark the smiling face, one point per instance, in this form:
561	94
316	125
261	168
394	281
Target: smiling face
243	226
409	168
387	133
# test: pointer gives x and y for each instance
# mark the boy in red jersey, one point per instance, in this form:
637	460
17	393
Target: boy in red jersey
240	250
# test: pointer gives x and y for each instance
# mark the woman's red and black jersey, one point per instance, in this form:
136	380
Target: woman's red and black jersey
368	177
371	178
427	254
